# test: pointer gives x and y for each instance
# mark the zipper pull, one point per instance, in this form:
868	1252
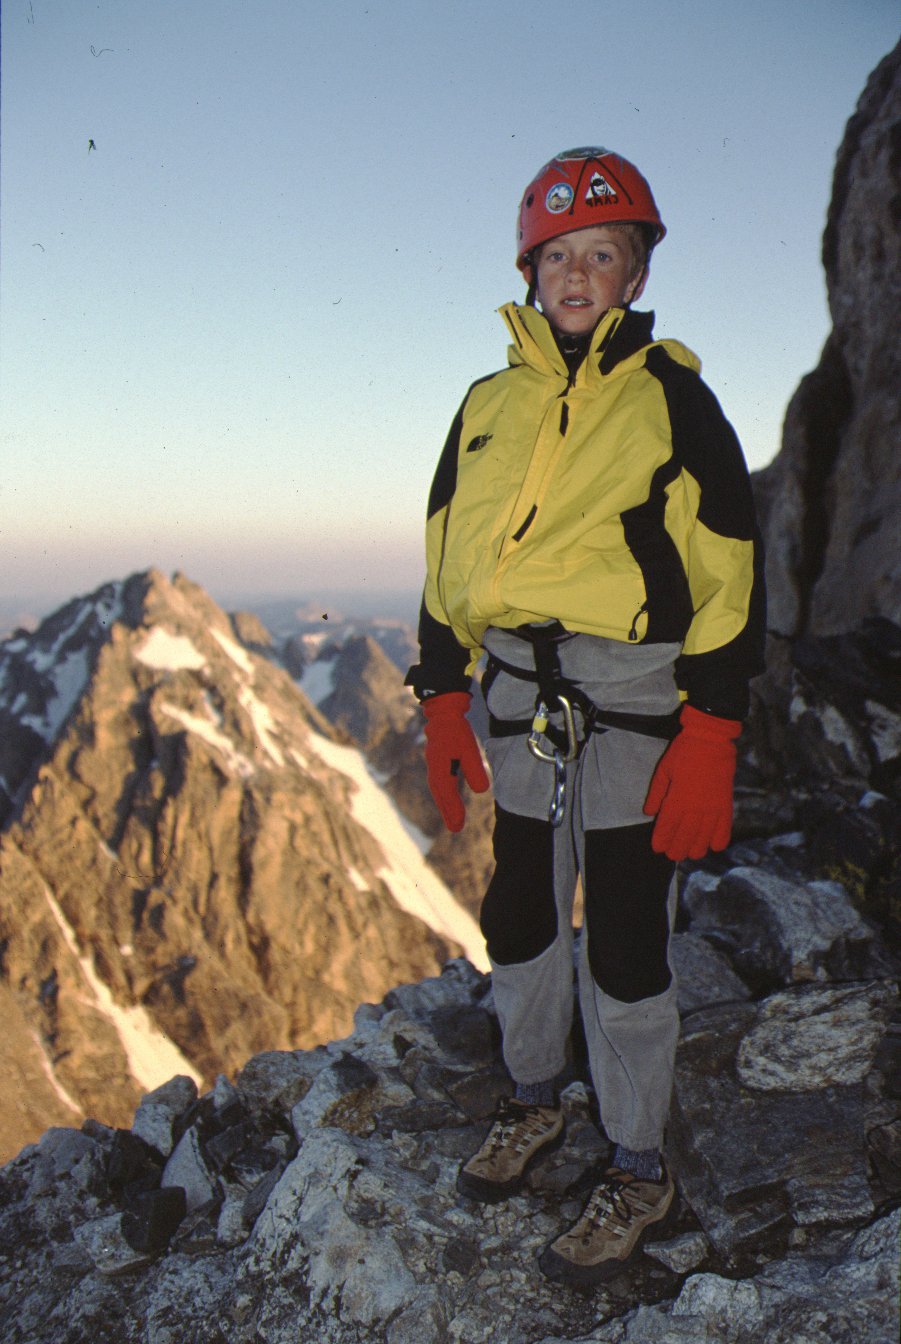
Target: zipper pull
633	632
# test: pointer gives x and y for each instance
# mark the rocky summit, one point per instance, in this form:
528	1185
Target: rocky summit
314	1198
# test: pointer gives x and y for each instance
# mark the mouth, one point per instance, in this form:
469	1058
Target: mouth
577	302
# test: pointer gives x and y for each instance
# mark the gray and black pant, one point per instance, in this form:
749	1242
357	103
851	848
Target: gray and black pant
627	989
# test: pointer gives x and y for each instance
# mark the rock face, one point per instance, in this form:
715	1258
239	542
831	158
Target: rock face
314	1197
831	500
189	861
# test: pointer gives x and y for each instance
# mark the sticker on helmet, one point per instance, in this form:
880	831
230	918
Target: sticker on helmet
559	198
600	191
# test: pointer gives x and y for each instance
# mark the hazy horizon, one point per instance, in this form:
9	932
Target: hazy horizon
366	601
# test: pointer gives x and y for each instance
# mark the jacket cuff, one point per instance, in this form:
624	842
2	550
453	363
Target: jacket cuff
442	660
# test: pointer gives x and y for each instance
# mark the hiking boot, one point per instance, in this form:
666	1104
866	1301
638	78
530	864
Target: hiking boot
519	1135
605	1240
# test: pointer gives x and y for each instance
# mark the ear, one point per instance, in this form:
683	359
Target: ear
636	287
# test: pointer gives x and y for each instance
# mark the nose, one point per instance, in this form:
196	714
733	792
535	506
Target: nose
576	269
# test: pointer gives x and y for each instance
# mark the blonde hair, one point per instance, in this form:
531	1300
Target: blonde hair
641	238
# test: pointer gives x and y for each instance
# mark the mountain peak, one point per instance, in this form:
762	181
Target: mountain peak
180	821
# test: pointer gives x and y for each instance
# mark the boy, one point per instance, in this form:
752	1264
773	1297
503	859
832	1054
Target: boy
591	529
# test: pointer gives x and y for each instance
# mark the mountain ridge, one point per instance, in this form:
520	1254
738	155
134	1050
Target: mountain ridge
184	826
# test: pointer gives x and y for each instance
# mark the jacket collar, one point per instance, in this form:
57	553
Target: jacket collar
619	334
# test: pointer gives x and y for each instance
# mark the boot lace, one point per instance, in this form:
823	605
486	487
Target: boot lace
516	1124
607	1201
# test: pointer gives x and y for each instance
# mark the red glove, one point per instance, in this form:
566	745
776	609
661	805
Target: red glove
451	746
691	791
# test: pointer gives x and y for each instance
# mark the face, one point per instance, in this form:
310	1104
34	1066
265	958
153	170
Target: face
583	274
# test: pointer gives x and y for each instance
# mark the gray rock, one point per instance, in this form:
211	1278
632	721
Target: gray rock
277	1079
187	1168
233	1226
457	985
422	1321
885	1142
186	1300
747	1161
160	1110
349	1095
108	1248
703	974
681	1254
349	1269
224	1093
815	1037
65	1153
773	926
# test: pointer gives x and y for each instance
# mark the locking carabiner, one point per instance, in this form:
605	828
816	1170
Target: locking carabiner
539	728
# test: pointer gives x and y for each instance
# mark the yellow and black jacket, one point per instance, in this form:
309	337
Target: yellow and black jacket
616	502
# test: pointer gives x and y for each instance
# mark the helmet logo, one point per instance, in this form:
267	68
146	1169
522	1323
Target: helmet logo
600	191
559	198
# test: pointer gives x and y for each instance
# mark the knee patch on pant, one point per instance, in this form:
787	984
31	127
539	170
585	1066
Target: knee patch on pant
519	912
626	916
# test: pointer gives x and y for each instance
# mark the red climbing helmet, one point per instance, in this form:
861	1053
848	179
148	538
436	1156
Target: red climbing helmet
579	188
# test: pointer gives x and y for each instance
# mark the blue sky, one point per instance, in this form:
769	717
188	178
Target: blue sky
235	332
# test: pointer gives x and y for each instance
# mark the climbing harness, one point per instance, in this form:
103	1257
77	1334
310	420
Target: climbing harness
560	695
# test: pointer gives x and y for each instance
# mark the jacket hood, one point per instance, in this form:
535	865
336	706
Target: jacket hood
620	335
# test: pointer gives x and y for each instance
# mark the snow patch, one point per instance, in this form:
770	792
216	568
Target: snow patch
263	724
152	1058
109	609
69	680
301	760
415	887
42	660
234	651
318	680
166	652
52	1078
211	735
212	709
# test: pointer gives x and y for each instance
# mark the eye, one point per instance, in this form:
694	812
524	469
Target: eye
602	257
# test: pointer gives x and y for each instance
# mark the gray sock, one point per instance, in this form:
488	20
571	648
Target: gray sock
537	1094
644	1164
